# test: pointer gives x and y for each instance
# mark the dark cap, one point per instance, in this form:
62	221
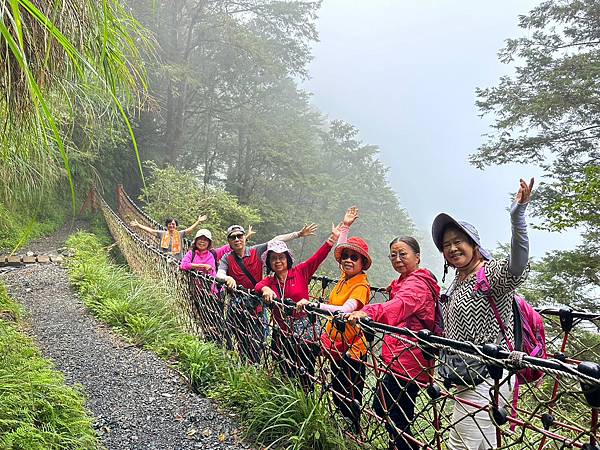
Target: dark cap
233	228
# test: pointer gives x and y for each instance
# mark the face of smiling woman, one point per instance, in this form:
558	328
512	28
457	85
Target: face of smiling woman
278	262
202	243
351	262
457	248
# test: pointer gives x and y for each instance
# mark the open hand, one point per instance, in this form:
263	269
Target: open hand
350	216
202	218
308	230
525	189
250	232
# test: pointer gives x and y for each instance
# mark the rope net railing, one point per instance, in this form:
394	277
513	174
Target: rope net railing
391	395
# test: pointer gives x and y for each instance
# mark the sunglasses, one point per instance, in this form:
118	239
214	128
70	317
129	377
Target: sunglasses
235	237
352	256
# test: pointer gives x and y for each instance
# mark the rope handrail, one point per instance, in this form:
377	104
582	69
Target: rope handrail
560	409
551	311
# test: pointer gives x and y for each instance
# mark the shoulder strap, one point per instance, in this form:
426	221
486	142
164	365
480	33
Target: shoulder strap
436	300
214	253
483	285
240	263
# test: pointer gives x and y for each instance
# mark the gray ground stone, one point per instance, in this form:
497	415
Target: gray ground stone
137	401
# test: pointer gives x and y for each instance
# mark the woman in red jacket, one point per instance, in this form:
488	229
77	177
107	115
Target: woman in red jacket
294	341
412	305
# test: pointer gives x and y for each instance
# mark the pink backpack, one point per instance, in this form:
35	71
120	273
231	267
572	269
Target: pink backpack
530	336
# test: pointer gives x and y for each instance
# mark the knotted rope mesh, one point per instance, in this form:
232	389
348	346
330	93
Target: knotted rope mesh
391	395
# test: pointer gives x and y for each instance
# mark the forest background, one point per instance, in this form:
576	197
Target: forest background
210	91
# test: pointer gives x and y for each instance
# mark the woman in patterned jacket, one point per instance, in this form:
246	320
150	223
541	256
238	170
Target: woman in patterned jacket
469	317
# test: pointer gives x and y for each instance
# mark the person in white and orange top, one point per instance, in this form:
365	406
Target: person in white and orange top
347	350
171	240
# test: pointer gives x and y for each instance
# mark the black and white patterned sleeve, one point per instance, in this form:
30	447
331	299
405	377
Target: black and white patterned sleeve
501	279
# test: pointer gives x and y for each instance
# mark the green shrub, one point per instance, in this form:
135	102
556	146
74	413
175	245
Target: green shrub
173	193
23	222
289	417
37	409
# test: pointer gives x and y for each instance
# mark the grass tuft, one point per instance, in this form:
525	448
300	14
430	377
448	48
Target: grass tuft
37	410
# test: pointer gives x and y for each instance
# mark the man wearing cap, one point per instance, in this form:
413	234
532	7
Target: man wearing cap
231	269
243	266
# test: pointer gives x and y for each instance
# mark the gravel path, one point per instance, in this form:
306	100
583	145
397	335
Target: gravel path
138	402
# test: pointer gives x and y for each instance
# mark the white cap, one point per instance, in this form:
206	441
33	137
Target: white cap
203	232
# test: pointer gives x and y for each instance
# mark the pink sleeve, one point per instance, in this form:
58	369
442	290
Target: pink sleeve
310	266
344	229
186	262
222	250
349	306
406	302
262	283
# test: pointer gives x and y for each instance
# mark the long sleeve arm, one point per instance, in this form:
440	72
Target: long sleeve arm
393	312
147	229
287	237
406	302
186	262
349	306
310	266
519	247
343	238
220	251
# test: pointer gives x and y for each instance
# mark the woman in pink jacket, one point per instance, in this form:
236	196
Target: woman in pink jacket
295	342
203	258
412	305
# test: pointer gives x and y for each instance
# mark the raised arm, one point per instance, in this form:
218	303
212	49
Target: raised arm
136	224
305	231
519	246
189	229
349	218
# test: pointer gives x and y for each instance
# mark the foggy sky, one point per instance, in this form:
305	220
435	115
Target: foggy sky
404	72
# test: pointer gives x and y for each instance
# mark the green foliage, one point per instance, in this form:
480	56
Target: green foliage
218	62
20	222
547	113
233	116
288	413
8	308
61	61
172	193
137	310
568	277
38	411
277	413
